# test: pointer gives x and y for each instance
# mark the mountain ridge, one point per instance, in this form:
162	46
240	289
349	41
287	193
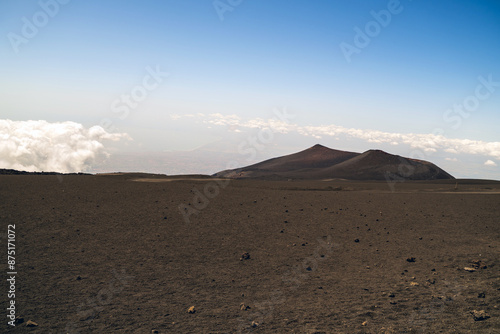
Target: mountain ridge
321	162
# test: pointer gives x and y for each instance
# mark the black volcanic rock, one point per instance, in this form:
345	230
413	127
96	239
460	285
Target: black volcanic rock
320	162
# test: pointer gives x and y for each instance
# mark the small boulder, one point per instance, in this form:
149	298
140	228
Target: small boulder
191	310
478	264
479	315
245	256
30	323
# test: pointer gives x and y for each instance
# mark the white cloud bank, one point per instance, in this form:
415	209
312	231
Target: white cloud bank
490	163
428	143
42	146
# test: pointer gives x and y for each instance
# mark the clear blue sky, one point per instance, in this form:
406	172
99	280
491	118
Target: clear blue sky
263	54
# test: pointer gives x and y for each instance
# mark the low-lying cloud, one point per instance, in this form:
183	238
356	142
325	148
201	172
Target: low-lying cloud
42	146
428	143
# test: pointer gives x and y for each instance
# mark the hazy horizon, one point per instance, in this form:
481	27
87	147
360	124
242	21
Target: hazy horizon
188	86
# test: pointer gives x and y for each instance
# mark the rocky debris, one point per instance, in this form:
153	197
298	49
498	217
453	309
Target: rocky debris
244	307
155	331
414	284
19	320
478	264
411	259
481	295
479	315
245	256
30	323
191	310
254	324
470	269
364	323
356	240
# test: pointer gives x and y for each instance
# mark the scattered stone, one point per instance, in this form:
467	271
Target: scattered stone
78	278
30	323
411	259
191	310
356	240
254	324
309	269
245	256
155	331
244	307
364	323
414	284
19	320
479	315
392	295
481	295
469	269
478	264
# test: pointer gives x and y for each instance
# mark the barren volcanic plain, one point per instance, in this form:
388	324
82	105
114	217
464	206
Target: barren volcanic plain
133	253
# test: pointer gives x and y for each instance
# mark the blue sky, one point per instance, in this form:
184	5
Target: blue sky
428	57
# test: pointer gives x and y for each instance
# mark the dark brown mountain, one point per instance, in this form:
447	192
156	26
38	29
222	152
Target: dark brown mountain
320	162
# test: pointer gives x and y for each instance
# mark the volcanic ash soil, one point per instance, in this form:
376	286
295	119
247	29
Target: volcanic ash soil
96	254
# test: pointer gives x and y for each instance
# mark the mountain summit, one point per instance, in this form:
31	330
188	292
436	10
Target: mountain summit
320	162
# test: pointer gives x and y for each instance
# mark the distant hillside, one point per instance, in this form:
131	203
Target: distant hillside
320	162
4	171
